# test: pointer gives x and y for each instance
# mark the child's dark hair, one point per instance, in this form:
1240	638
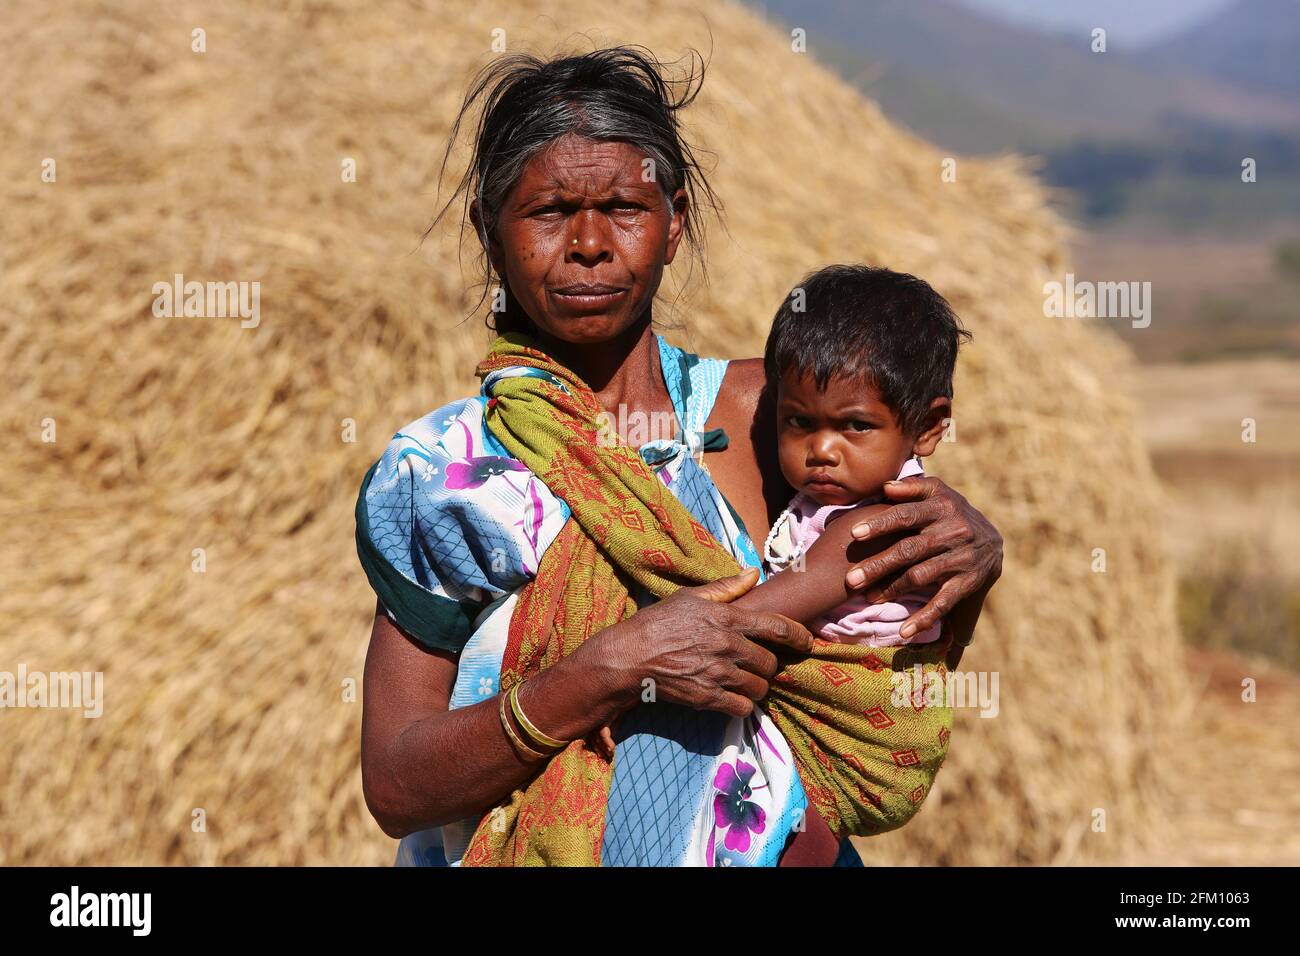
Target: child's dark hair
869	325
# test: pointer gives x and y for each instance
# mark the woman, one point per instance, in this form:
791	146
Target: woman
540	583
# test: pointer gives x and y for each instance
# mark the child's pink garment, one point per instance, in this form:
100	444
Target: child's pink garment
855	621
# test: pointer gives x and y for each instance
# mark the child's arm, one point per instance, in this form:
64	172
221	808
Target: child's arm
819	587
802	596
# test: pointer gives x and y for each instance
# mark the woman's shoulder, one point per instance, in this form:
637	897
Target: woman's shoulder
741	394
451	430
449	460
744	380
447	522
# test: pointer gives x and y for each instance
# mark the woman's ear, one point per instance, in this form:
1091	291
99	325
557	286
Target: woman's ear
681	207
936	423
489	242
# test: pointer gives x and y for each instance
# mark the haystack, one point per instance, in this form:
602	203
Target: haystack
188	532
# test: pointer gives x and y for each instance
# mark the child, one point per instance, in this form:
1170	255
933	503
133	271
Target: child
861	360
863	379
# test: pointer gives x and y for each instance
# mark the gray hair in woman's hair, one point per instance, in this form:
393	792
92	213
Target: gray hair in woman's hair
619	94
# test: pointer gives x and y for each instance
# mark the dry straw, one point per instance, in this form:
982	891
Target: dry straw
224	690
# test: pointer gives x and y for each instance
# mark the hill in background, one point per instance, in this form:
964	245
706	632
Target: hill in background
1253	45
1153	134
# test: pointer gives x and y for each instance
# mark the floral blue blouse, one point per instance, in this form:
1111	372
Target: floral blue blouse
450	527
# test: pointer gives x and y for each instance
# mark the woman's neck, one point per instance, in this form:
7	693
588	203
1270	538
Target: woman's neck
620	371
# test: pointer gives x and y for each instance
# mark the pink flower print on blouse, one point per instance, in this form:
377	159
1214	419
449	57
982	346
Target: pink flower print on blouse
732	807
473	472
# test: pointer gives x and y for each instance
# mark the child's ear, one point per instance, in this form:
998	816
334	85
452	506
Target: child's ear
936	423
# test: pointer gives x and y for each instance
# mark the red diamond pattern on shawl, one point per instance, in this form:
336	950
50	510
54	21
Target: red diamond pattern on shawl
944	734
661	515
906	758
917	795
572	480
873	663
625	457
478	853
562	803
879	719
657	558
918	700
583	432
702	535
819	796
596	798
821	756
869	797
631	520
527	820
835	674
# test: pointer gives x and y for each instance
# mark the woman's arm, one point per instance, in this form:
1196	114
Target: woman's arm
423	765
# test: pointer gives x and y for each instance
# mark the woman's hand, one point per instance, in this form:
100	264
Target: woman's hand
951	545
697	649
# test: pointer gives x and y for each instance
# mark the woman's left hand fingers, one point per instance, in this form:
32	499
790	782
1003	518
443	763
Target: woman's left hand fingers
942	566
922	501
943	521
902	517
948	596
897	558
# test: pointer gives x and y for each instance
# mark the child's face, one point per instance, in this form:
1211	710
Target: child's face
841	445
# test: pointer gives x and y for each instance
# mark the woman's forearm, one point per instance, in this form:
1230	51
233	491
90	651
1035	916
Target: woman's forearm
450	765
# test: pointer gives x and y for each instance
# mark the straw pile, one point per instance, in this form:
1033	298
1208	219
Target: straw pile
226	689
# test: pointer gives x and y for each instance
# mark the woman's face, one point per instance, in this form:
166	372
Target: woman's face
582	239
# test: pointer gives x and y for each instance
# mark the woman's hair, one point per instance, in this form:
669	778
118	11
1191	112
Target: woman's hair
619	93
871	325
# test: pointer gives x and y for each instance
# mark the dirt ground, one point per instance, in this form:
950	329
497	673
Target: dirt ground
1238	796
1238	803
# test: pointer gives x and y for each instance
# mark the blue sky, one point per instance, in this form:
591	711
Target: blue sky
1128	23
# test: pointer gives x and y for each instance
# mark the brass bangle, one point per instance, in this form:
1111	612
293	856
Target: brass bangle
514	737
529	728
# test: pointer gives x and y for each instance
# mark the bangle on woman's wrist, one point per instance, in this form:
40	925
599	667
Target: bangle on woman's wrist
515	740
529	729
